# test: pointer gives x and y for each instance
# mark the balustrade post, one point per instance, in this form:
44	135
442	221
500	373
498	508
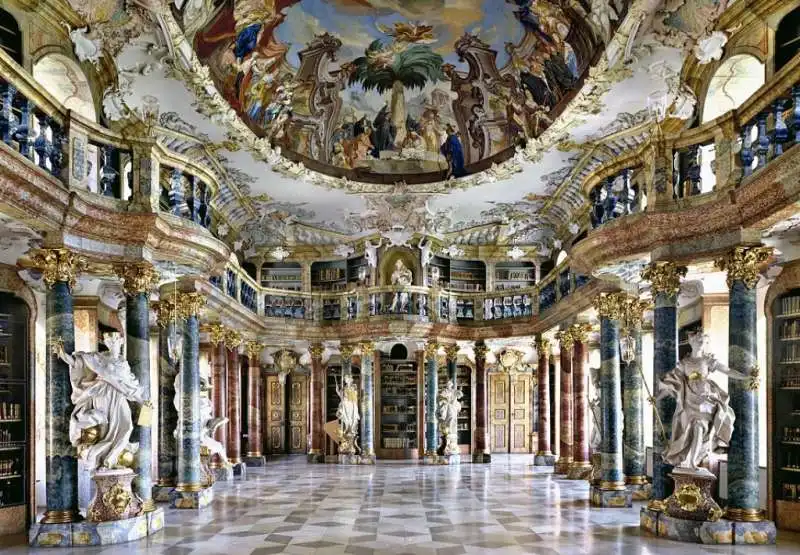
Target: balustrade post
176	200
7	124
796	112
108	174
763	139
145	184
41	145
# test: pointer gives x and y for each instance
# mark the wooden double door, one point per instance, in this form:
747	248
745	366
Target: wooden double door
287	415
510	412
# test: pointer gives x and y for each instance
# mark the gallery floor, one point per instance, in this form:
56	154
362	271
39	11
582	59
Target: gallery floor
505	507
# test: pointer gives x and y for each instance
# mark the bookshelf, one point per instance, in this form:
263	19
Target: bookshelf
399	404
464	384
467	275
786	410
15	476
443	264
329	276
282	275
354	265
514	275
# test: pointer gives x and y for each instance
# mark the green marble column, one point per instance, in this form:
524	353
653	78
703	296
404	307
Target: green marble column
431	392
138	281
451	351
59	268
367	349
169	332
633	451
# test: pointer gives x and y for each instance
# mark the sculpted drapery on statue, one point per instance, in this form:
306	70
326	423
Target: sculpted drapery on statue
348	415
448	407
703	420
404	277
101	423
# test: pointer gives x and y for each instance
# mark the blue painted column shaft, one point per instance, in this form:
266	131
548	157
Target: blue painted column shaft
167	415
137	328
431	392
633	407
611	475
665	358
60	456
189	476
367	398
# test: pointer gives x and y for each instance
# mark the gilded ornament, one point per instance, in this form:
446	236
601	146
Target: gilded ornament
451	351
189	304
742	264
58	265
166	311
316	351
480	351
253	349
689	497
216	333
347	350
137	278
431	350
565	339
367	348
117	498
664	277
542	346
611	305
233	339
579	332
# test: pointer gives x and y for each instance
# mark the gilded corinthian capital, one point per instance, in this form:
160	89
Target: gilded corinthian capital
664	277
611	305
347	350
216	333
480	351
137	278
190	304
565	339
542	345
742	264
58	265
579	332
451	351
233	339
166	311
316	351
367	348
253	349
431	350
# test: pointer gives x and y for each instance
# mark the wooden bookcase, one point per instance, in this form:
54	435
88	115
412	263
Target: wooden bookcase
467	275
329	276
514	275
282	275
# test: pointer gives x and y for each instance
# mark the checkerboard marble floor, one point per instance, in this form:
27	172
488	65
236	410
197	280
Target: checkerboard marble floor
395	508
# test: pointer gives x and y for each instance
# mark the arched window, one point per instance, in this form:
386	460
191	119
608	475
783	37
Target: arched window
734	82
10	36
63	79
787	39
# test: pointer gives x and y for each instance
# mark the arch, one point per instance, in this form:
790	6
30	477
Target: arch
63	79
11	36
734	81
787	39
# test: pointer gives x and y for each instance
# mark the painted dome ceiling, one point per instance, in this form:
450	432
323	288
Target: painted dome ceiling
398	90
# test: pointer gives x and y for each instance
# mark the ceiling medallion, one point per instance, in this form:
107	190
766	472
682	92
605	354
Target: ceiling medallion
280	253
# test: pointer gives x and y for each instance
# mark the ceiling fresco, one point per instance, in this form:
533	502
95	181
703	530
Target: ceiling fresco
389	90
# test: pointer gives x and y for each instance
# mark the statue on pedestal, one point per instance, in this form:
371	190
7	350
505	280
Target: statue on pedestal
404	277
101	424
348	416
702	423
448	407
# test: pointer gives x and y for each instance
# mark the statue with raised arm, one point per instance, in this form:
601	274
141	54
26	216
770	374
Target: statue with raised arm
448	407
425	252
101	423
347	414
371	252
703	420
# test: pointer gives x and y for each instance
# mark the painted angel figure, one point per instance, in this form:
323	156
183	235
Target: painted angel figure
703	420
102	385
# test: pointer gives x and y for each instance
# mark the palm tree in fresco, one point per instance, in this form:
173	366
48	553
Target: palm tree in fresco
396	67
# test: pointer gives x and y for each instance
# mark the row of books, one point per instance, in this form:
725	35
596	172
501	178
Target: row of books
790	305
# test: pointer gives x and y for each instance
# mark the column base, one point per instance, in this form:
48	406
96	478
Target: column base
255	460
315	458
610	498
481	458
162	494
239	470
96	533
639	491
192	499
442	459
721	532
580	471
562	465
544	459
349	458
223	473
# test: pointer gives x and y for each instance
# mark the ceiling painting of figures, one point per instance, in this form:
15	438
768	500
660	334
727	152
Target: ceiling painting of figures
400	90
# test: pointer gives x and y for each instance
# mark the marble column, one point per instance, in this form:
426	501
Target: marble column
611	491
581	467
566	430
431	392
233	340
189	492
451	352
254	457
544	455
346	352
316	454
219	380
169	329
633	450
742	265
59	269
367	349
138	281
553	373
665	283
481	454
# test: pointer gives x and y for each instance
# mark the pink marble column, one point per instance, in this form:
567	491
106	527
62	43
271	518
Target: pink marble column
566	435
544	454
254	456
232	342
219	392
581	467
317	431
482	452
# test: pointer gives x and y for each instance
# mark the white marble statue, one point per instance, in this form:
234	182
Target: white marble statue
371	252
600	17
401	276
425	252
448	405
594	406
703	420
86	49
101	423
208	422
347	415
710	47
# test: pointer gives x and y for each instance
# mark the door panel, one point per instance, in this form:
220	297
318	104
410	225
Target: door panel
498	412
298	414
275	419
520	413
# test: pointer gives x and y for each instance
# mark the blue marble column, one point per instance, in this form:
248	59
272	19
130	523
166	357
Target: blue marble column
665	282
611	491
59	267
346	352
742	265
139	279
431	392
189	492
169	330
367	401
633	452
451	351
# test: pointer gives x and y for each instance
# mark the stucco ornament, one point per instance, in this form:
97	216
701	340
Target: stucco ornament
515	253
371	252
453	251
683	103
343	250
425	251
710	48
114	106
280	253
600	17
101	423
398	236
86	49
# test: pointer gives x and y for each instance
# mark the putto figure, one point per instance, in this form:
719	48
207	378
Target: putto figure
101	423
